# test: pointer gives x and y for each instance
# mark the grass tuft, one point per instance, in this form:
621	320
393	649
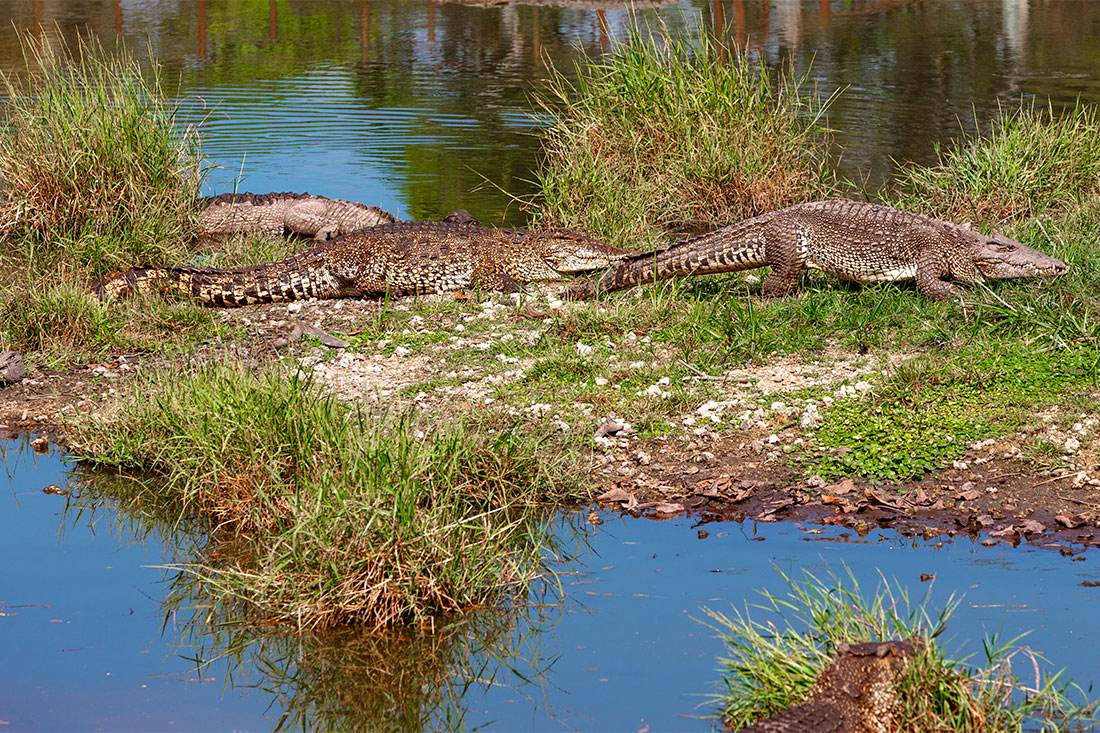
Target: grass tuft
96	176
351	517
1032	162
774	663
93	166
670	132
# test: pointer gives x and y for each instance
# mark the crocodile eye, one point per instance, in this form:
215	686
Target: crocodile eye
1000	247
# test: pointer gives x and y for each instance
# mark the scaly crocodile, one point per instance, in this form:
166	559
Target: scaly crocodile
848	239
854	694
281	213
401	258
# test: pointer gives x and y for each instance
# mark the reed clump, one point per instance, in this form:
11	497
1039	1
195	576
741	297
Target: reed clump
350	516
95	175
773	664
1033	161
93	166
669	132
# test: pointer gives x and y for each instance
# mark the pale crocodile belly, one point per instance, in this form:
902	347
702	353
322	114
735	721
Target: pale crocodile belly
886	272
430	280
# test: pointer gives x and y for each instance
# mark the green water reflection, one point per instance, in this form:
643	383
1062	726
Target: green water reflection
424	106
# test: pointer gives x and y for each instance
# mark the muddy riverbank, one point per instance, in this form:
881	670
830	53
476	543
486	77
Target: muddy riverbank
729	453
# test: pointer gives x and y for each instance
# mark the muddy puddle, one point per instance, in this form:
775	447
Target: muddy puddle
91	639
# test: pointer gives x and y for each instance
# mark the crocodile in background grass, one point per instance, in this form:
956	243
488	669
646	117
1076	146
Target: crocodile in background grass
401	258
285	213
852	240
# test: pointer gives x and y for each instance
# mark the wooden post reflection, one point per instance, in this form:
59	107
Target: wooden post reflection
602	17
825	7
202	29
718	15
272	21
118	17
536	40
364	31
739	35
431	21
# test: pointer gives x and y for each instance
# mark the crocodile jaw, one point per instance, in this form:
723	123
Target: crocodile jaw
999	258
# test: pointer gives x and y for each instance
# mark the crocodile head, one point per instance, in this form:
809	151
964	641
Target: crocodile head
996	257
569	252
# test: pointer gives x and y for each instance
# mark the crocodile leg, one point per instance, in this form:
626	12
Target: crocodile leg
931	268
785	249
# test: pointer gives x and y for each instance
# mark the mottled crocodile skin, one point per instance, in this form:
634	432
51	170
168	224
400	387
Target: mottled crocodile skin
854	694
848	239
402	258
286	213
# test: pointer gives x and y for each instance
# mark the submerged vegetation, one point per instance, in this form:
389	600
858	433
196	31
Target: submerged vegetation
348	516
773	663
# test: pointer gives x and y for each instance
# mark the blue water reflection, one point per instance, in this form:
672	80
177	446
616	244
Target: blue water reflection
82	635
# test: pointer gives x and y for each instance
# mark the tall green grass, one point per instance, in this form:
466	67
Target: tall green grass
94	166
670	132
1032	162
773	663
348	516
96	175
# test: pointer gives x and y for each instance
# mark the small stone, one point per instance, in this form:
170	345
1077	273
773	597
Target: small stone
12	368
1072	445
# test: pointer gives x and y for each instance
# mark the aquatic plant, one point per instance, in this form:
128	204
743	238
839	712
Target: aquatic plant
675	132
774	662
348	515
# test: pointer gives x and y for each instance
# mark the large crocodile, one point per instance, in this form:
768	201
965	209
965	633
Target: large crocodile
856	693
848	239
401	258
282	213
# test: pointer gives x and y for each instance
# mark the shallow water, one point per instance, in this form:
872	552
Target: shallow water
423	107
86	644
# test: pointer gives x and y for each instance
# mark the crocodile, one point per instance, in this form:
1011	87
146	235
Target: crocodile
852	240
855	693
400	258
285	213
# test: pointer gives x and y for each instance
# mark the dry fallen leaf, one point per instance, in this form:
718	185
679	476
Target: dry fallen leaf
668	507
1070	521
1030	526
840	488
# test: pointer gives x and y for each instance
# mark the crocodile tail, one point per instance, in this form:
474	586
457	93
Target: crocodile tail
267	283
736	247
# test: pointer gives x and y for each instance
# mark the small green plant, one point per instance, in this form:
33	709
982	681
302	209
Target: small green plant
930	409
349	516
671	132
774	663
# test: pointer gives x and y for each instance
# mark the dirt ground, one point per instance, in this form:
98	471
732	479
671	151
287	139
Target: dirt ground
738	474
